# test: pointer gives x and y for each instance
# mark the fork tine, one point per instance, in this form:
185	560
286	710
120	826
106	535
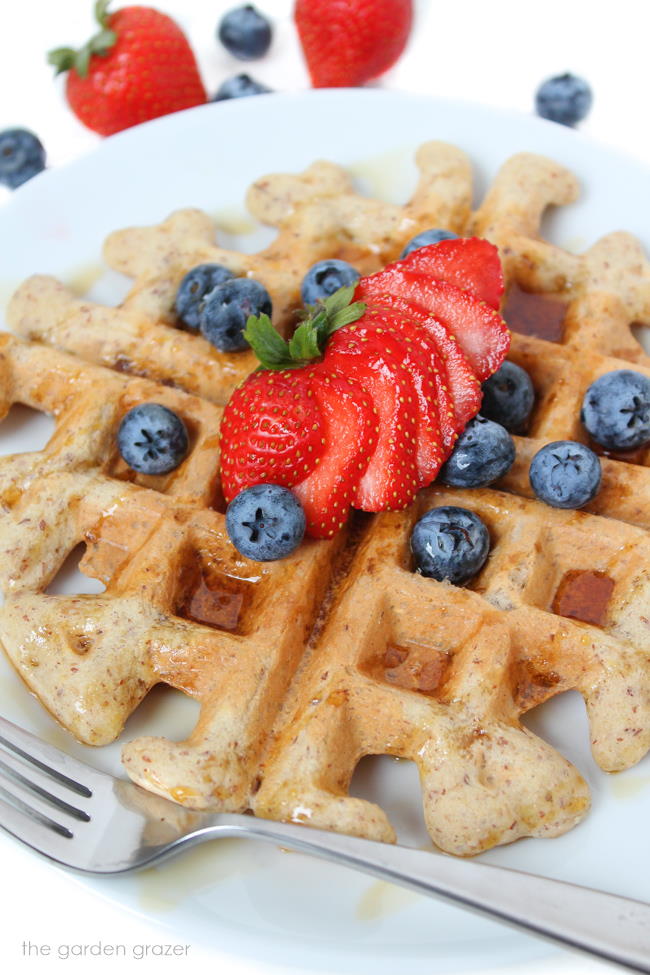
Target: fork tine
32	809
29	784
35	832
58	765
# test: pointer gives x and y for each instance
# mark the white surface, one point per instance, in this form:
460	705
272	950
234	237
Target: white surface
496	53
472	50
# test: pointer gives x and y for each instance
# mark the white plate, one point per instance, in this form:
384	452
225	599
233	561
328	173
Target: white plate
255	901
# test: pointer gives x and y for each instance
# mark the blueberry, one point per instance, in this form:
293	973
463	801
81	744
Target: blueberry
245	33
616	410
152	439
565	99
433	236
240	86
450	543
484	452
225	310
196	284
324	278
21	156
565	474
508	397
265	522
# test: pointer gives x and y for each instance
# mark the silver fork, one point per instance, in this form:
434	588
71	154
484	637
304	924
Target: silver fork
99	824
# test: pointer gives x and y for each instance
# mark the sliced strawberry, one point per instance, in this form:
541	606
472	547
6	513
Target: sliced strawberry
271	431
421	359
349	433
481	332
456	381
471	263
390	479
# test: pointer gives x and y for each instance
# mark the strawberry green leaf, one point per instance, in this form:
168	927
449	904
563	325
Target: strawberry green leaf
304	345
62	58
66	58
101	11
102	42
269	347
310	338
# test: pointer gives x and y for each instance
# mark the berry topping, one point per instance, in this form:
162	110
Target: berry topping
349	42
565	99
226	309
484	452
426	237
138	66
509	397
435	431
196	284
348	432
265	522
616	410
450	543
324	278
21	156
479	330
363	404
470	263
245	33
458	388
376	363
152	439
271	430
240	86
565	474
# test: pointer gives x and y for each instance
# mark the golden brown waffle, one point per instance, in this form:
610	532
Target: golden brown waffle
304	666
317	214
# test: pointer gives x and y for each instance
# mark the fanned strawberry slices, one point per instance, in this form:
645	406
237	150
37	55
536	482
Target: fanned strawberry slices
364	403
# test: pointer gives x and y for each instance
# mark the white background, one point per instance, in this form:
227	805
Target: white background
495	53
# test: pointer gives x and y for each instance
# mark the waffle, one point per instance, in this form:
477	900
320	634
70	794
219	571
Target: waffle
303	666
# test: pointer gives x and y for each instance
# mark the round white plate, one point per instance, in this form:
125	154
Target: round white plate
250	900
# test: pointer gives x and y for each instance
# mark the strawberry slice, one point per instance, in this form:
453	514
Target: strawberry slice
421	359
348	429
456	380
271	431
481	332
471	263
375	361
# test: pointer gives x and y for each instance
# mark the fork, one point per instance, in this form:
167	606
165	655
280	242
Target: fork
99	824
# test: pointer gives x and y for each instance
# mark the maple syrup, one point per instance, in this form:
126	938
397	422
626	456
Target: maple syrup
584	594
412	668
212	598
534	314
637	456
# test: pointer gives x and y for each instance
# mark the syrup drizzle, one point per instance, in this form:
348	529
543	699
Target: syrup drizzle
533	314
584	595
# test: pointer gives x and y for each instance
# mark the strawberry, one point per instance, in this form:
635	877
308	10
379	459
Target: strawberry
375	362
480	331
397	380
348	427
421	359
349	42
137	67
271	431
471	263
457	380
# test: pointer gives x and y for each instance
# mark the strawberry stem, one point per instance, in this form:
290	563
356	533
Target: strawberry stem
310	338
66	58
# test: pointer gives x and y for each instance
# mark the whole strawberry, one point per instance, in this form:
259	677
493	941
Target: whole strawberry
137	67
349	42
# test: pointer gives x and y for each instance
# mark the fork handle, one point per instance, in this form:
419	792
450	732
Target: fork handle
605	925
